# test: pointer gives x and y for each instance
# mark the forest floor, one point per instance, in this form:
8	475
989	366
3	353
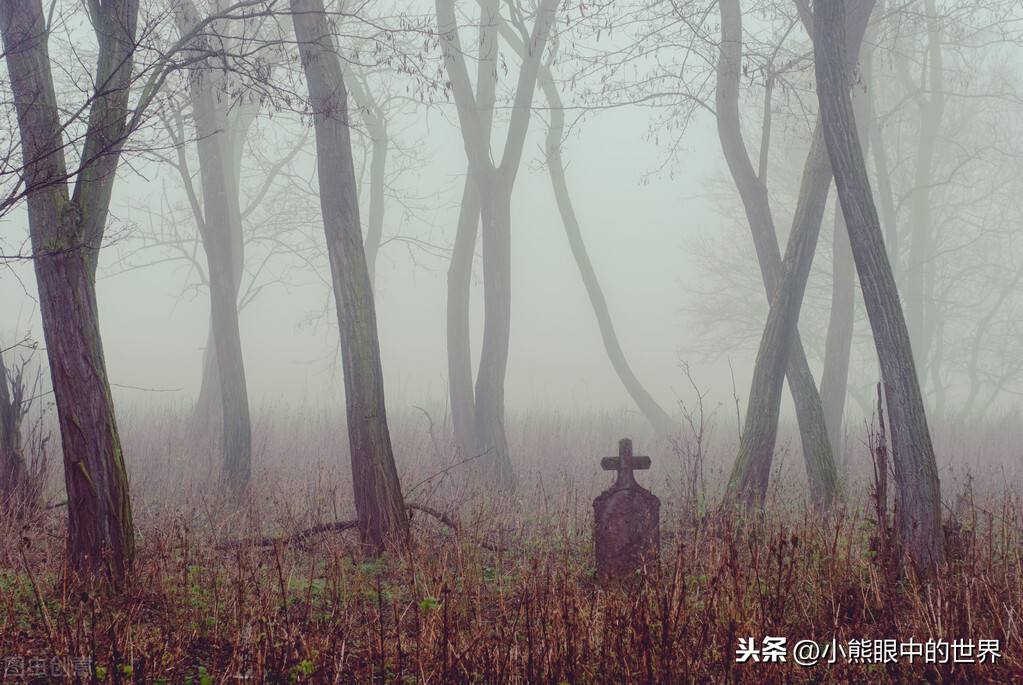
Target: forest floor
511	596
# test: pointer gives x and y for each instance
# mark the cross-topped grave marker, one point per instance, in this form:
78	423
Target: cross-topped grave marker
626	517
625	464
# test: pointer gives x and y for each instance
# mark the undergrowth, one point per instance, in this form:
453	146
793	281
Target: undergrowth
511	597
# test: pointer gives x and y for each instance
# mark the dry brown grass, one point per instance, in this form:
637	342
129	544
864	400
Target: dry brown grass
451	610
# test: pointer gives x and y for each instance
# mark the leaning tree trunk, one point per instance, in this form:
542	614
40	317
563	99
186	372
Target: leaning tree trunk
918	512
383	520
653	412
748	483
838	345
817	451
66	234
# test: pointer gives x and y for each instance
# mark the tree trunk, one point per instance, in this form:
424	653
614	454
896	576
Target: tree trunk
66	235
918	512
375	230
494	185
463	253
817	452
207	413
14	483
236	116
463	405
838	345
885	194
653	412
376	126
221	237
491	441
383	520
750	474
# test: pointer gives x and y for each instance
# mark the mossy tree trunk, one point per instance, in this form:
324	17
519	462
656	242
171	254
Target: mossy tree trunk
383	520
749	479
838	344
918	512
66	234
753	469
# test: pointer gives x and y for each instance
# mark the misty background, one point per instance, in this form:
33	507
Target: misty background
663	225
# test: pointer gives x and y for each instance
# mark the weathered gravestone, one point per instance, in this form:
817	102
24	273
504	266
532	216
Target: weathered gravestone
626	518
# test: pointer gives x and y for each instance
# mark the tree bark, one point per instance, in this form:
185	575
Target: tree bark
221	236
383	520
207	409
838	345
748	483
14	483
918	512
817	452
66	235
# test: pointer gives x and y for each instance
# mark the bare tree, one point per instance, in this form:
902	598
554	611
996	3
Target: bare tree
838	343
220	227
916	473
780	349
463	251
383	520
66	233
653	412
494	184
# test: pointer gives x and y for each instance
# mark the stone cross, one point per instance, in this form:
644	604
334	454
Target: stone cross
625	464
626	518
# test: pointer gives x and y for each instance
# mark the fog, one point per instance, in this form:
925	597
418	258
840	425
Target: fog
661	220
635	225
302	442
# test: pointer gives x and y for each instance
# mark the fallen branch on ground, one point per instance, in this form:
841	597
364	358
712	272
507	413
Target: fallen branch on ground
339	526
300	536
